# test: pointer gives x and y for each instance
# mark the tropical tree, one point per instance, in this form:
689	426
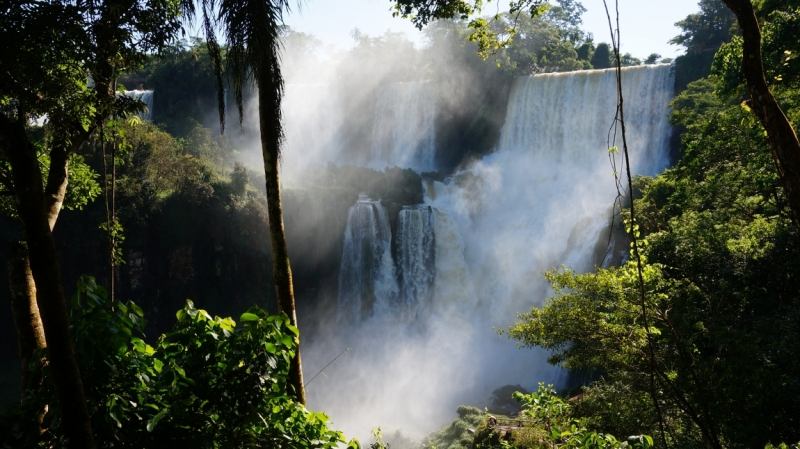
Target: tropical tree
601	59
707	29
251	29
783	140
49	52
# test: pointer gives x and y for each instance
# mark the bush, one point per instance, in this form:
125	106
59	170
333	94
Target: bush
207	384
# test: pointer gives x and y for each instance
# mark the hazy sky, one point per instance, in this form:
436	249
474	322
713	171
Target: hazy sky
645	25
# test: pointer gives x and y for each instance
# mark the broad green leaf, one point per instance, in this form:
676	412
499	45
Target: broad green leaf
153	422
247	316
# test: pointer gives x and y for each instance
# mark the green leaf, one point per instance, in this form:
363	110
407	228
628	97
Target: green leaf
136	309
247	316
139	344
153	422
270	347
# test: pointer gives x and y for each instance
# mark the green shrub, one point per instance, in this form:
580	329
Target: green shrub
206	384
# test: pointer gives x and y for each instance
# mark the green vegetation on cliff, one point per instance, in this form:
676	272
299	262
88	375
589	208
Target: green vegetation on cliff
719	352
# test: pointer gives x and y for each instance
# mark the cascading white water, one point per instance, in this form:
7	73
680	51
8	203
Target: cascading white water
434	277
367	284
146	97
542	199
429	264
416	258
403	131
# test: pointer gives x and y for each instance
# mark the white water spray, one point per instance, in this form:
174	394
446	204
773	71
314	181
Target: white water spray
403	132
541	200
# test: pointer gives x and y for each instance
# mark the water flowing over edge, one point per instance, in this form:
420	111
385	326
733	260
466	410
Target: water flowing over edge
542	199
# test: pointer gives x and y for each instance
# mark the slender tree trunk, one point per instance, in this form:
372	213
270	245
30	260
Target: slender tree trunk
30	194
56	188
269	120
30	332
780	134
26	314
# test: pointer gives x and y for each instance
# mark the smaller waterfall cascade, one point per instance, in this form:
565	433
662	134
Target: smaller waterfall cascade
146	97
367	283
403	132
416	256
432	274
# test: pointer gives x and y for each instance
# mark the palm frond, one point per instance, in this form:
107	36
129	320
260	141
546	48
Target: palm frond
251	30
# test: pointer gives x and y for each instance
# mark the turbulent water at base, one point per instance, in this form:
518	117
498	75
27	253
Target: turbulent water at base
146	96
367	284
542	199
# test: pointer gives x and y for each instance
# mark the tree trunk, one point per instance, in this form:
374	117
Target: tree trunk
780	134
30	333
27	177
26	314
56	188
271	136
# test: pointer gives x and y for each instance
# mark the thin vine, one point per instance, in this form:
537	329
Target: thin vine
619	119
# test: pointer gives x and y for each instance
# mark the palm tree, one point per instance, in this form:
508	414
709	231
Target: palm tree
251	29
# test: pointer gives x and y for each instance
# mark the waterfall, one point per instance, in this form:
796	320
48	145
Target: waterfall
415	257
367	283
429	264
146	97
541	200
403	131
472	256
544	197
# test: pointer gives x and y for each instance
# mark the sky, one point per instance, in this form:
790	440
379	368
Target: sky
645	25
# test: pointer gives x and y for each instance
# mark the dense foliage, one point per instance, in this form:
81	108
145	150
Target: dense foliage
206	383
184	79
720	301
193	222
546	422
460	433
